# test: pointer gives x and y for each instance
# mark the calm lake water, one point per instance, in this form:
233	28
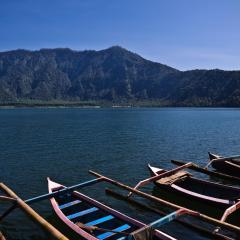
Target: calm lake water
64	143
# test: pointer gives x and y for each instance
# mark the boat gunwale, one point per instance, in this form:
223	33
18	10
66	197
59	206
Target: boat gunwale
225	202
213	156
63	217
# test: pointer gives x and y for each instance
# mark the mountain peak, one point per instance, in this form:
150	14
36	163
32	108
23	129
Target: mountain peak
116	47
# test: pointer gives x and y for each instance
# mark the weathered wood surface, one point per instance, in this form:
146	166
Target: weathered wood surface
35	216
197	168
173	178
161	175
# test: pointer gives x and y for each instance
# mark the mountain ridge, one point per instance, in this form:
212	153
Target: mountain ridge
114	74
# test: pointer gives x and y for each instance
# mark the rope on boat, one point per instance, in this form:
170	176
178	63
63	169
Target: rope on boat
94	228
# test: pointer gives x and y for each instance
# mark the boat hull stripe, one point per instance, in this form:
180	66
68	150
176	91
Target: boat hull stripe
213	199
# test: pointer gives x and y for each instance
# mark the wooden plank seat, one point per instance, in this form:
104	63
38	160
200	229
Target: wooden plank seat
110	234
84	212
173	178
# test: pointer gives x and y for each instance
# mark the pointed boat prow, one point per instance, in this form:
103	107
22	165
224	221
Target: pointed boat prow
154	171
213	156
52	186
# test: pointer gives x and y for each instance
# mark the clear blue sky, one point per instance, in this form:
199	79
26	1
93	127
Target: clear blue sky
185	34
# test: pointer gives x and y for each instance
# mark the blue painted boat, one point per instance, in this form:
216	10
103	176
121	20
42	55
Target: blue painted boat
93	220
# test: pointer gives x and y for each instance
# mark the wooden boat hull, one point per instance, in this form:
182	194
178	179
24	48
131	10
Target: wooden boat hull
225	166
74	207
210	193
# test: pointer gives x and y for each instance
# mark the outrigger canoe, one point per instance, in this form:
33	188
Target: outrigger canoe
93	220
228	165
211	193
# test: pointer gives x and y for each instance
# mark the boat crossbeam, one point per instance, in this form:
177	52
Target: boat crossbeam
173	216
230	210
64	190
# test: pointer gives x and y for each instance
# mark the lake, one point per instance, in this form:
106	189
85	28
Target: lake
64	143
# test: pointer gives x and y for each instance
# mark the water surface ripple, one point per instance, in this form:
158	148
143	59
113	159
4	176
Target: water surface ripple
64	143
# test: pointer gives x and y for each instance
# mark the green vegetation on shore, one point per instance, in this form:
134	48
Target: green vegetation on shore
111	77
96	104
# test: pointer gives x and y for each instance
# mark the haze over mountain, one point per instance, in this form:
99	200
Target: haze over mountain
114	74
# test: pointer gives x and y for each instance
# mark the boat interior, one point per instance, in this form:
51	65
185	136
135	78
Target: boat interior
209	189
80	211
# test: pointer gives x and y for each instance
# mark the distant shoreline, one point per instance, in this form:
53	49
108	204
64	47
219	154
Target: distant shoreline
103	104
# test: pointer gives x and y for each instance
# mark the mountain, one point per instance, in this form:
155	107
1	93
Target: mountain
114	74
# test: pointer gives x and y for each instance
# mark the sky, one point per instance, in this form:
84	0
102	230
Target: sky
185	34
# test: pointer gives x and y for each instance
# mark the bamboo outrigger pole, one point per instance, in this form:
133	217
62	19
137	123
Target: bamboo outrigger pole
35	216
2	237
61	191
195	227
48	195
169	204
